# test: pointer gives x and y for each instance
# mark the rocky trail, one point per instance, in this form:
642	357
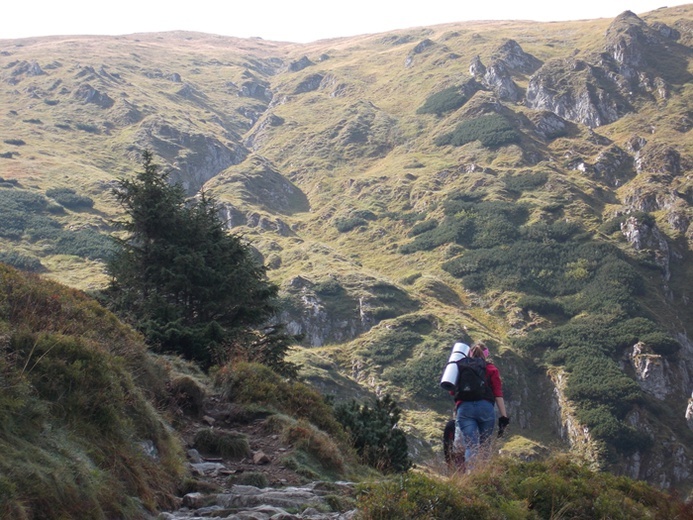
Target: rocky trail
279	492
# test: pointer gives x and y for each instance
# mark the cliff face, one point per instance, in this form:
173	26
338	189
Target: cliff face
392	184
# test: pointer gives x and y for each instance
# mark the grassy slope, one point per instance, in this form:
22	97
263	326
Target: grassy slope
335	176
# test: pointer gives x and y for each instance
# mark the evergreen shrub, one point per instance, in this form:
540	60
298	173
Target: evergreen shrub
492	131
422	227
346	224
394	344
21	261
374	434
446	100
68	198
527	181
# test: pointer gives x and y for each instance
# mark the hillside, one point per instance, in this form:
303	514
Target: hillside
522	183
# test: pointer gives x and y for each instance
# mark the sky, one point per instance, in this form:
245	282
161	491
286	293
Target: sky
299	21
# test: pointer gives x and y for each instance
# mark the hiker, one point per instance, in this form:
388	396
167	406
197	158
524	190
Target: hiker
476	414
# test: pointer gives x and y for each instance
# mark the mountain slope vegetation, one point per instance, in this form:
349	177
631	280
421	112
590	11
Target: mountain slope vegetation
522	183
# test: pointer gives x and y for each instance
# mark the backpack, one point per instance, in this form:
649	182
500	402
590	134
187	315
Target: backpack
472	384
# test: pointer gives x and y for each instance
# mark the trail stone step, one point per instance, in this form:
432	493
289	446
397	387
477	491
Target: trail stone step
252	503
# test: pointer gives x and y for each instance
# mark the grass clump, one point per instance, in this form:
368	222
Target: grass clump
222	443
507	488
252	383
76	403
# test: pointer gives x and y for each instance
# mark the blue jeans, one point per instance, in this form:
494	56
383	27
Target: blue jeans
476	420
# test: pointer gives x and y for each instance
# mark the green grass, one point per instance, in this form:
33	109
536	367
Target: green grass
77	398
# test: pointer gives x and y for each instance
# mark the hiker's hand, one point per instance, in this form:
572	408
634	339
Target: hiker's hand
502	423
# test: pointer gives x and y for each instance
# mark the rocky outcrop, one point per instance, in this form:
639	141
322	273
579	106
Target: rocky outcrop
88	94
548	125
27	68
300	64
626	40
651	372
509	59
599	90
257	90
515	59
364	131
318	320
575	434
309	84
644	234
498	79
476	68
418	49
613	166
632	47
660	158
262	129
261	187
195	158
576	91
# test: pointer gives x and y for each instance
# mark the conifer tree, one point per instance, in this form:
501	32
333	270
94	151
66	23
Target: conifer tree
374	433
191	287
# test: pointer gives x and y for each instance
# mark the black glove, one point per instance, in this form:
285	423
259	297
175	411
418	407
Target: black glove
502	423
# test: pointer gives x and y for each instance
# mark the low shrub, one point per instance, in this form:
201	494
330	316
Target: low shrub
20	261
446	100
188	395
346	224
68	198
91	129
374	434
661	343
252	383
85	243
392	345
527	181
420	375
422	227
492	131
558	487
226	444
316	444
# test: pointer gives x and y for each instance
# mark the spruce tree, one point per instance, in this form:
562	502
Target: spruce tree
374	433
191	287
